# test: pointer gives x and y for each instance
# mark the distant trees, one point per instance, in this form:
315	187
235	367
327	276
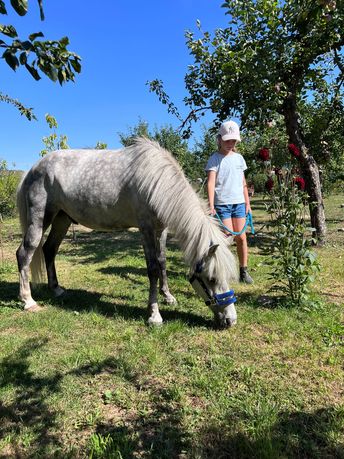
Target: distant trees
170	139
9	180
53	141
323	127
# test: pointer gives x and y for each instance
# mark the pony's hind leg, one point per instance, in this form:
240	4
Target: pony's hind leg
25	252
163	283
58	231
153	269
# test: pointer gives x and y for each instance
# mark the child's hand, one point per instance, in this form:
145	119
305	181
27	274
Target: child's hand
212	211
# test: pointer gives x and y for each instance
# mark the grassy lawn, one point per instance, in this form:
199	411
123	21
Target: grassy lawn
87	378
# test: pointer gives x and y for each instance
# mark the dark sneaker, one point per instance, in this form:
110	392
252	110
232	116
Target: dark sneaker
245	277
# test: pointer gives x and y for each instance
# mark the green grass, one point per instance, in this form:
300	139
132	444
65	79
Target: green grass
87	378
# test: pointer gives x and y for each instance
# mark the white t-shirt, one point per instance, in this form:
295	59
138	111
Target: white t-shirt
229	188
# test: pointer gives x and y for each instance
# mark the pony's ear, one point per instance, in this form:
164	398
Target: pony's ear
212	249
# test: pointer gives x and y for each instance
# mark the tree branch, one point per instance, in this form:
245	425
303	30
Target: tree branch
27	112
192	116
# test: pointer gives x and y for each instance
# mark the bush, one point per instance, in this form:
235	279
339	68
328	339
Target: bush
9	181
293	263
258	180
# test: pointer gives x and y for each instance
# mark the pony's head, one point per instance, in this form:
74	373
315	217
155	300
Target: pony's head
210	281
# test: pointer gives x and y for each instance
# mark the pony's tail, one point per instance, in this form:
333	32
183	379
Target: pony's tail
37	263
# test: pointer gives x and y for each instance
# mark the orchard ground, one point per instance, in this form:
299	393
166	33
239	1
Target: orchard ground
86	377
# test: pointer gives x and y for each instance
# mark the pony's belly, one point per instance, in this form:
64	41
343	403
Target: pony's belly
103	217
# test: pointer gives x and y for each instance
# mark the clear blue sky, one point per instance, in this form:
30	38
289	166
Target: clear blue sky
122	44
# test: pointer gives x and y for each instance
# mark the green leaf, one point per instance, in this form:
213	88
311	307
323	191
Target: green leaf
11	59
64	41
33	36
10	31
76	65
2	8
27	45
51	72
40	4
62	76
23	58
33	72
20	6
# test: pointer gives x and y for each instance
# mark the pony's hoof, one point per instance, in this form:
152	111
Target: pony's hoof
34	308
170	299
154	321
58	292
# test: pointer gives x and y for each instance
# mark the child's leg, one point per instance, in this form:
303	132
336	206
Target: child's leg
241	241
227	222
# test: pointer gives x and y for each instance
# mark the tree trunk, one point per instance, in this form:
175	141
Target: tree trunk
309	169
317	211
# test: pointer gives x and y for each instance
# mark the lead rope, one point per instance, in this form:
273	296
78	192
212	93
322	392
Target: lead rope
249	221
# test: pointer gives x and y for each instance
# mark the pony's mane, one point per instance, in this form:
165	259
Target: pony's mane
161	180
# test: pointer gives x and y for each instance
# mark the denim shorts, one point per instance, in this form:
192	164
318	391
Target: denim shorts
231	210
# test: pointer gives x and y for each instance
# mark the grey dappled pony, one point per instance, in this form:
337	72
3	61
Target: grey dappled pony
139	186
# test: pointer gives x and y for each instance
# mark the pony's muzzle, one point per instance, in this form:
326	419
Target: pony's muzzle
225	323
227	318
230	322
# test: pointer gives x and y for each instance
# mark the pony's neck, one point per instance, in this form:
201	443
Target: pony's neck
192	229
159	178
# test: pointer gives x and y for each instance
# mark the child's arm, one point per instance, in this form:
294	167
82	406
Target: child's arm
246	196
211	190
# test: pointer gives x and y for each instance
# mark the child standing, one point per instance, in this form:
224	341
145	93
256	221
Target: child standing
227	190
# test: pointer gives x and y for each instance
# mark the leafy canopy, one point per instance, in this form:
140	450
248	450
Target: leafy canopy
271	49
50	57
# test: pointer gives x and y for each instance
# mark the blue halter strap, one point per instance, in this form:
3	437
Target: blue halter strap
224	299
217	299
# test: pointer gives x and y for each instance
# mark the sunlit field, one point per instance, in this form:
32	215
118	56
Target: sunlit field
86	377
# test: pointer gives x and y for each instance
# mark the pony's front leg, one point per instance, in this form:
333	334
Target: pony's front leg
153	270
163	284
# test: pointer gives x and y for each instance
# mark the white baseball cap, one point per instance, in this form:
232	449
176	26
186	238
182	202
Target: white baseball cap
229	130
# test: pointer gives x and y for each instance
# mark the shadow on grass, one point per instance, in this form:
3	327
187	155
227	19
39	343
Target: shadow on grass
295	434
97	246
128	271
267	301
79	300
85	301
28	409
156	432
160	433
263	241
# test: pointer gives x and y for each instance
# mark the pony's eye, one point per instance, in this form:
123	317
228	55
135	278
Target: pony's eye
212	280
